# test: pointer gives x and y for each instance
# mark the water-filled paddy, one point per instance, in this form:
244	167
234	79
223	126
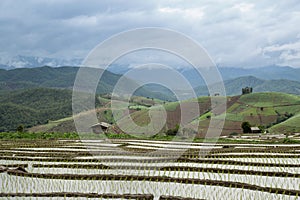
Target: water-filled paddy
132	167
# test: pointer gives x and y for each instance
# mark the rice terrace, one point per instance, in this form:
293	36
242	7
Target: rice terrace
149	100
66	169
115	165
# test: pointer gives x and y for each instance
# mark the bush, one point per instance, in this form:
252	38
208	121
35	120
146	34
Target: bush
174	131
20	129
246	127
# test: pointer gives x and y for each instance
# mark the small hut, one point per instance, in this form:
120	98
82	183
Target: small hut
101	127
255	130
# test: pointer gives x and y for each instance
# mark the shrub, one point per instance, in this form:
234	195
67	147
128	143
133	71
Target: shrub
20	128
246	127
174	131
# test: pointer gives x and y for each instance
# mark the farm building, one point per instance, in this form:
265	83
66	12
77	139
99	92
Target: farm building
255	130
100	127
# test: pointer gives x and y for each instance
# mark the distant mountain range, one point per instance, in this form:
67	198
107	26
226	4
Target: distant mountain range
266	73
234	86
227	73
264	79
34	61
63	77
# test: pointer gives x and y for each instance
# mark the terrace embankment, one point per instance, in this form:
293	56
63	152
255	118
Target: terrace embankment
106	170
114	177
77	195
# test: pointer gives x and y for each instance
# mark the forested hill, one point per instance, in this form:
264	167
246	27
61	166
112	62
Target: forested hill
34	106
64	77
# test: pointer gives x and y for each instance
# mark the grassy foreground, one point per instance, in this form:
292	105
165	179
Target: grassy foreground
75	136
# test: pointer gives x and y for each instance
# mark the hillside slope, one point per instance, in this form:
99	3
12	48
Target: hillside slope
34	106
291	125
278	112
266	110
64	77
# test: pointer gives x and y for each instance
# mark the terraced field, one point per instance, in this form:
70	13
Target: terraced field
142	169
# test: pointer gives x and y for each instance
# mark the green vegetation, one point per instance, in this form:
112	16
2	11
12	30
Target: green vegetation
276	112
33	136
138	107
270	99
171	106
265	109
33	107
291	125
56	135
265	114
205	116
20	129
161	137
173	131
64	77
158	92
246	127
48	77
61	125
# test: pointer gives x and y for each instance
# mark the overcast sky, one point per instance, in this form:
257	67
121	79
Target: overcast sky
235	33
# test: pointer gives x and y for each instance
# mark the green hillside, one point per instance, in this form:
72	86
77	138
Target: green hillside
48	77
291	125
33	106
268	110
64	77
277	112
270	99
64	125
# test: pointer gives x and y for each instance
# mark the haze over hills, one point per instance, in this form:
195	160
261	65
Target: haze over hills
234	86
285	80
64	77
267	73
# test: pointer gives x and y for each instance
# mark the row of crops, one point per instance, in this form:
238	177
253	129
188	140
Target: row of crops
141	169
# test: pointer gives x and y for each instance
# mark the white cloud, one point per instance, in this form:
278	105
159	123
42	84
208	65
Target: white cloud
82	20
243	7
189	14
285	47
286	54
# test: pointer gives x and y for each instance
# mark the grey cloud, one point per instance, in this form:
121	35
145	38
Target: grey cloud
235	33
